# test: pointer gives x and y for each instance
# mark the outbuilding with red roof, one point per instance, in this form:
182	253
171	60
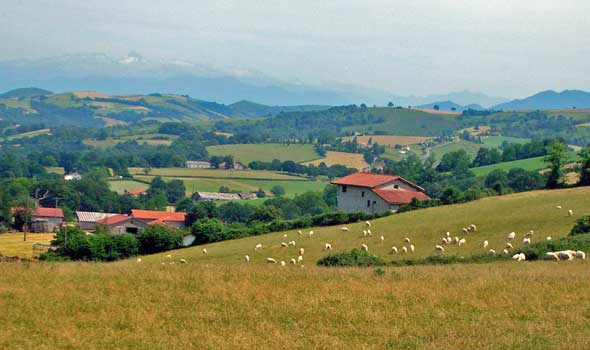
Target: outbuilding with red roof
374	193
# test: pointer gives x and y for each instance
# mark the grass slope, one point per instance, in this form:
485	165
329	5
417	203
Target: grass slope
266	152
535	163
350	160
470	147
12	244
496	141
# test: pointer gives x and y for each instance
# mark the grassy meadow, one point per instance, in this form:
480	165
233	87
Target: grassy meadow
266	152
12	244
350	160
535	163
121	186
496	141
388	140
470	147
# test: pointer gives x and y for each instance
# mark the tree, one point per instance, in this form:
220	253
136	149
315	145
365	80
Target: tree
582	226
330	195
265	213
436	107
390	104
584	167
278	190
208	230
224	189
159	238
235	212
202	210
456	162
556	155
496	179
175	190
260	193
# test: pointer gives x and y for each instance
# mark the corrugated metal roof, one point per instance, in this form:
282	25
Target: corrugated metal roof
91	216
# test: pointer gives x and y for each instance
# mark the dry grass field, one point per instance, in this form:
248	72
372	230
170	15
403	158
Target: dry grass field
388	140
350	160
12	244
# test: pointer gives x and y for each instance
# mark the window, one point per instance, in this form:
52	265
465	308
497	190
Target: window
396	187
368	204
363	194
343	188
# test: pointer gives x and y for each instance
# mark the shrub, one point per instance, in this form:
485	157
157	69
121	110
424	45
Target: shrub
52	256
74	244
355	257
582	226
159	238
208	230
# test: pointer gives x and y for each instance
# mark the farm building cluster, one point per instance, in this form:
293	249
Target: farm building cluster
198	164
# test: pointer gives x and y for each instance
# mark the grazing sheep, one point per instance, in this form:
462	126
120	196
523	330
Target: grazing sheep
258	246
570	212
293	261
505	251
407	240
327	246
382	239
530	233
548	238
364	233
465	230
204	251
394	250
283	263
448	234
247	258
558	207
526	241
368	223
522	257
444	240
301	251
492	252
439	248
345	229
565	255
271	261
285	235
519	257
456	240
412	248
310	234
581	255
365	247
485	244
183	261
138	260
509	246
551	256
473	227
291	243
462	242
284	245
169	256
299	258
404	249
300	233
369	232
512	235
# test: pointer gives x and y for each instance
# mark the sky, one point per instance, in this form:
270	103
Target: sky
419	47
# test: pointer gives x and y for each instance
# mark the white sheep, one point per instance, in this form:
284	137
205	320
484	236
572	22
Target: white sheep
465	230
509	246
310	234
368	223
412	248
565	255
548	238
558	207
284	245
345	229
492	252
456	240
526	241
473	227
364	233
300	233
204	251
138	260
407	240
283	263
327	246
581	255
291	243
285	235
293	261
404	249
485	244
570	212
301	251
369	232
394	250
247	258
382	239
183	261
439	248
365	247
169	256
444	240
512	235
462	242
448	234
271	261
299	258
519	257
551	256
258	246
505	251
530	233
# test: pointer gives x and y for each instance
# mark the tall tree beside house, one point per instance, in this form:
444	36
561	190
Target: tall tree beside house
556	153
585	167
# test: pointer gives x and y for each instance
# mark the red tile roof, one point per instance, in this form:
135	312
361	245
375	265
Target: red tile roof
48	212
112	220
399	196
136	192
365	180
150	215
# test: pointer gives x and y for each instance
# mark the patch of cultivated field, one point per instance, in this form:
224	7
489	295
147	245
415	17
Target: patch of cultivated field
496	141
470	147
535	163
246	153
350	160
388	140
217	173
147	139
28	134
120	186
12	244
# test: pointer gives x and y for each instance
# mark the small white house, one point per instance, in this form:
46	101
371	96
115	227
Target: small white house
374	193
73	177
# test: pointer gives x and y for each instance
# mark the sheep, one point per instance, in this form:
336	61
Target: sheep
580	255
519	257
551	256
530	233
204	251
412	248
183	261
247	258
271	261
404	249
284	245
448	234
465	230
368	223
365	247
344	229
505	251
570	212
285	235
300	233
565	255
293	261
169	256
509	246
473	227
407	240
439	248
291	243
138	260
301	251
310	234
462	242
526	241
327	246
492	252
258	246
394	250
382	239
369	232
283	263
456	240
444	240
522	257
558	207
364	233
485	244
548	238
512	235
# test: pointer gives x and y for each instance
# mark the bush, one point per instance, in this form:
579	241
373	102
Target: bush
97	247
208	230
538	250
355	257
52	256
582	226
159	238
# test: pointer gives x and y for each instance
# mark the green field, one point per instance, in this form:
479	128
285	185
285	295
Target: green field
217	174
496	141
219	301
266	152
120	186
470	147
535	163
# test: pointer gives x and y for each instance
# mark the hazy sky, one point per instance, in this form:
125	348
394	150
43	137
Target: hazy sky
508	48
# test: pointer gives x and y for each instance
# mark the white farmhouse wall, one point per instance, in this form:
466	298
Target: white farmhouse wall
361	199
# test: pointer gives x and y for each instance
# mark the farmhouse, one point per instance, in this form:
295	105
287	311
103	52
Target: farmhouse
140	219
46	219
87	219
375	193
236	166
136	193
72	177
197	164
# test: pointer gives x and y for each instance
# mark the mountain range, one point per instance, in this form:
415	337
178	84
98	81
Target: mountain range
549	100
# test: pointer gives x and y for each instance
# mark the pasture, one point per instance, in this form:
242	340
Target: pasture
350	160
496	141
121	186
12	244
470	147
217	173
266	152
388	140
535	163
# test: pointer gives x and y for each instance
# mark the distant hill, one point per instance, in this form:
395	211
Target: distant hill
549	100
25	93
252	109
451	106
